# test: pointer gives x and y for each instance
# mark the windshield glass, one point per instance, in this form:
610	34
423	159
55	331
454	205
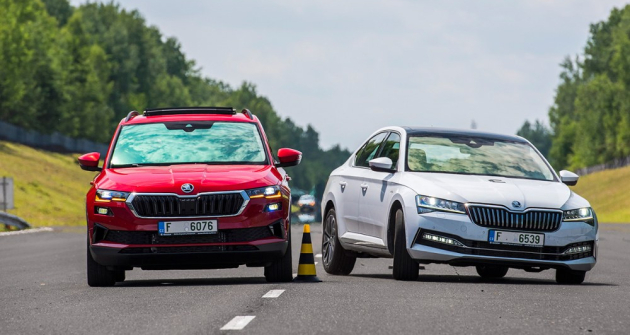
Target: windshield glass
188	142
479	156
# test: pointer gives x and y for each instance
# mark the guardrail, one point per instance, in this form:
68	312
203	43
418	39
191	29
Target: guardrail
615	164
53	142
12	220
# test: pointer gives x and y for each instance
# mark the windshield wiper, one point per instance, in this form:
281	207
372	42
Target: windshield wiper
138	165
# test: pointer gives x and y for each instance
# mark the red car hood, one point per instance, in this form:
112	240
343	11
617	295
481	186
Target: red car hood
204	178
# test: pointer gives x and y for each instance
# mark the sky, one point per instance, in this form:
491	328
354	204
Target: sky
351	67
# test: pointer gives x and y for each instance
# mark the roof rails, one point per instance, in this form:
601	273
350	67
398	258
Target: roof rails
248	113
190	110
131	115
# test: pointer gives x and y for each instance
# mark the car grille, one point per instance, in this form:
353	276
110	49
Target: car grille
223	236
492	217
220	204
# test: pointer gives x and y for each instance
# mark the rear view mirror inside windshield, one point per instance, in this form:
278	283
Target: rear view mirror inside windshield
188	126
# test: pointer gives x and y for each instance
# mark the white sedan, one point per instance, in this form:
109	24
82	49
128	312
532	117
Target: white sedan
464	198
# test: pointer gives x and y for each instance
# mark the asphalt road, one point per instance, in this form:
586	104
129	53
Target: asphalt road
43	290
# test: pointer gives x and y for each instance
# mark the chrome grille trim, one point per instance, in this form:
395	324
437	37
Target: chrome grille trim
531	219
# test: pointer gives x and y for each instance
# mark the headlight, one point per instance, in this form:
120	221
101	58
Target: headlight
269	192
581	214
430	204
107	196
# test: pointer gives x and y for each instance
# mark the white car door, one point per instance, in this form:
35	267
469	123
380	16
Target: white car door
373	206
351	182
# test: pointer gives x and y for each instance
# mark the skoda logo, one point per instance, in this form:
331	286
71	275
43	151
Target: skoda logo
516	204
187	188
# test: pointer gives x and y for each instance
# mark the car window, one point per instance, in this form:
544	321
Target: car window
204	142
391	148
369	150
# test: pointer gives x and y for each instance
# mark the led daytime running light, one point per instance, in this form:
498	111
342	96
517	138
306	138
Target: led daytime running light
580	214
428	204
578	249
441	239
107	196
270	192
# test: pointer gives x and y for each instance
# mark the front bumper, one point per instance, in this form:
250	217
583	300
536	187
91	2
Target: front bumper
228	248
476	250
189	256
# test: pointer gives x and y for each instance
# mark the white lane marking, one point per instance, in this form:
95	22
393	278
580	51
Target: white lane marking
273	294
318	255
238	323
26	231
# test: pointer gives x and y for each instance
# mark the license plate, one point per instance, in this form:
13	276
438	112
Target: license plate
187	227
511	237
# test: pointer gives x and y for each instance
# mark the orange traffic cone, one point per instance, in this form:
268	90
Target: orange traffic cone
306	267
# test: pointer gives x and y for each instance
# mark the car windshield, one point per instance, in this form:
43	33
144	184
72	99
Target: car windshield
476	155
204	142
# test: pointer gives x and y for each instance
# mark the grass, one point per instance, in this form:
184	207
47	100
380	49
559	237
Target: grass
607	193
49	188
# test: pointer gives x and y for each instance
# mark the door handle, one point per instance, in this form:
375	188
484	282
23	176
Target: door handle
343	183
364	186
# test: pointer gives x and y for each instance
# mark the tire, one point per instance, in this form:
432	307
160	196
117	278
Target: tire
98	275
336	259
492	271
281	271
405	267
119	276
571	277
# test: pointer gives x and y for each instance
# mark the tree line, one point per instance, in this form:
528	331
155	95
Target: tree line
79	70
590	118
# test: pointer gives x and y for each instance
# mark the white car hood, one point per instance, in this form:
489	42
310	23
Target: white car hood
490	190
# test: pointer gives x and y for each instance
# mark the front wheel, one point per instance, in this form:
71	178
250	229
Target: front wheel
336	259
281	270
492	271
405	267
572	277
98	275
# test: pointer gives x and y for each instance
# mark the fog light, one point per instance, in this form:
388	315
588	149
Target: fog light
578	249
274	207
102	210
441	239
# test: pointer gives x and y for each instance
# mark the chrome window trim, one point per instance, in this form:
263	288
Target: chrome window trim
134	194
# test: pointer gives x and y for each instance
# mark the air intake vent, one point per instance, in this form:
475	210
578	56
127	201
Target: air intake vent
493	217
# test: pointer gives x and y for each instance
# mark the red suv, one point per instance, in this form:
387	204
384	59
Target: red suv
189	188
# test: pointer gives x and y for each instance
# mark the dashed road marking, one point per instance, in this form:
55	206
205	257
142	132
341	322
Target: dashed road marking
238	323
273	294
318	255
26	231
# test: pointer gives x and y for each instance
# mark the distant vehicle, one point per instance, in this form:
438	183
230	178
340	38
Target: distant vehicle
307	208
464	198
189	188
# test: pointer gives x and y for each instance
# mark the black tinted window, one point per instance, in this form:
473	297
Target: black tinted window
391	148
369	150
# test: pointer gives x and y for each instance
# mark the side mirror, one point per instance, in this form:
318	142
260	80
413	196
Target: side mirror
288	157
89	162
569	177
382	164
